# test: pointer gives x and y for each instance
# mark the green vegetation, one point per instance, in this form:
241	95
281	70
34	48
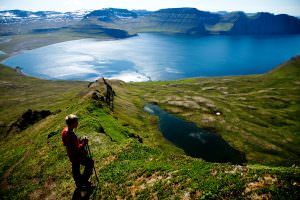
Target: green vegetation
219	27
259	115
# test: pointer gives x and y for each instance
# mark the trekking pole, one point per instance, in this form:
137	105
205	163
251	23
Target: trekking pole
89	151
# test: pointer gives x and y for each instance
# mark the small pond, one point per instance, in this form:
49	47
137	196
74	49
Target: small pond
195	141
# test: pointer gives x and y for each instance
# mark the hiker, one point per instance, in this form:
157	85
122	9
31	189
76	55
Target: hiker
110	93
77	153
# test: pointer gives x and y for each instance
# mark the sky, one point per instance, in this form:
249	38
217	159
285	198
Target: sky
291	7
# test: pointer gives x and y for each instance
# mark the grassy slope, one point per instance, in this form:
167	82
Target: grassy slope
33	167
259	114
19	93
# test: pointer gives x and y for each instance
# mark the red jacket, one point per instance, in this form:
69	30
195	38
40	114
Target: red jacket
74	146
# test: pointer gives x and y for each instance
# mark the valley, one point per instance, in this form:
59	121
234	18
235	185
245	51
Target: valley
256	115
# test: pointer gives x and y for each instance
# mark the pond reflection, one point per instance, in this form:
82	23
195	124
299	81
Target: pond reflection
195	141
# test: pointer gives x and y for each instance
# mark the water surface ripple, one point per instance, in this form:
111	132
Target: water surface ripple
151	56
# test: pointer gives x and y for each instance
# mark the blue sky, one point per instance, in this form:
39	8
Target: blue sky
291	7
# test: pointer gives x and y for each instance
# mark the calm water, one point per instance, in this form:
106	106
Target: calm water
157	57
193	140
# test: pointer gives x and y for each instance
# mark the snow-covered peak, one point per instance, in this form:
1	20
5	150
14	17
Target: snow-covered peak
11	16
7	14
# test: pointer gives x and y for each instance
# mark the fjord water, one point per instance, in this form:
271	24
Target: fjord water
195	141
157	57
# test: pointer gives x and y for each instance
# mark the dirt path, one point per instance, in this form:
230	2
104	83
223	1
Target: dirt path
4	183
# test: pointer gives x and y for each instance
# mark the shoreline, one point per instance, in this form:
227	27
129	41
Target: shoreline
20	43
14	45
31	44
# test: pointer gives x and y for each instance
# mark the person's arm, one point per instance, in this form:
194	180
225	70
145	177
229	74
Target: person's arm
82	143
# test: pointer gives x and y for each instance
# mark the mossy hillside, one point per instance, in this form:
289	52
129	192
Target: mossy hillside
259	114
20	93
34	167
41	157
127	168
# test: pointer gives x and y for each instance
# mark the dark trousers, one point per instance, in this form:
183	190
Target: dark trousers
88	164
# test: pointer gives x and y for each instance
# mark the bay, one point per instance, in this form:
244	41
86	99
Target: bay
152	56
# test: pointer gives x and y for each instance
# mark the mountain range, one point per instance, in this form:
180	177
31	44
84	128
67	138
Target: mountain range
189	21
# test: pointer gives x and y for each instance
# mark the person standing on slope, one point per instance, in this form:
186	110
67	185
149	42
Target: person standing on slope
77	153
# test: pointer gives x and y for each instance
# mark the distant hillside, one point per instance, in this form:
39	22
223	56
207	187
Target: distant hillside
195	22
69	24
265	24
189	21
107	15
13	16
182	20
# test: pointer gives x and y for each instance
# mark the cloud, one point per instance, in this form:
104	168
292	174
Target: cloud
71	5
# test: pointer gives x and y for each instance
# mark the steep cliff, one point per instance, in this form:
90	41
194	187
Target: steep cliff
265	23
